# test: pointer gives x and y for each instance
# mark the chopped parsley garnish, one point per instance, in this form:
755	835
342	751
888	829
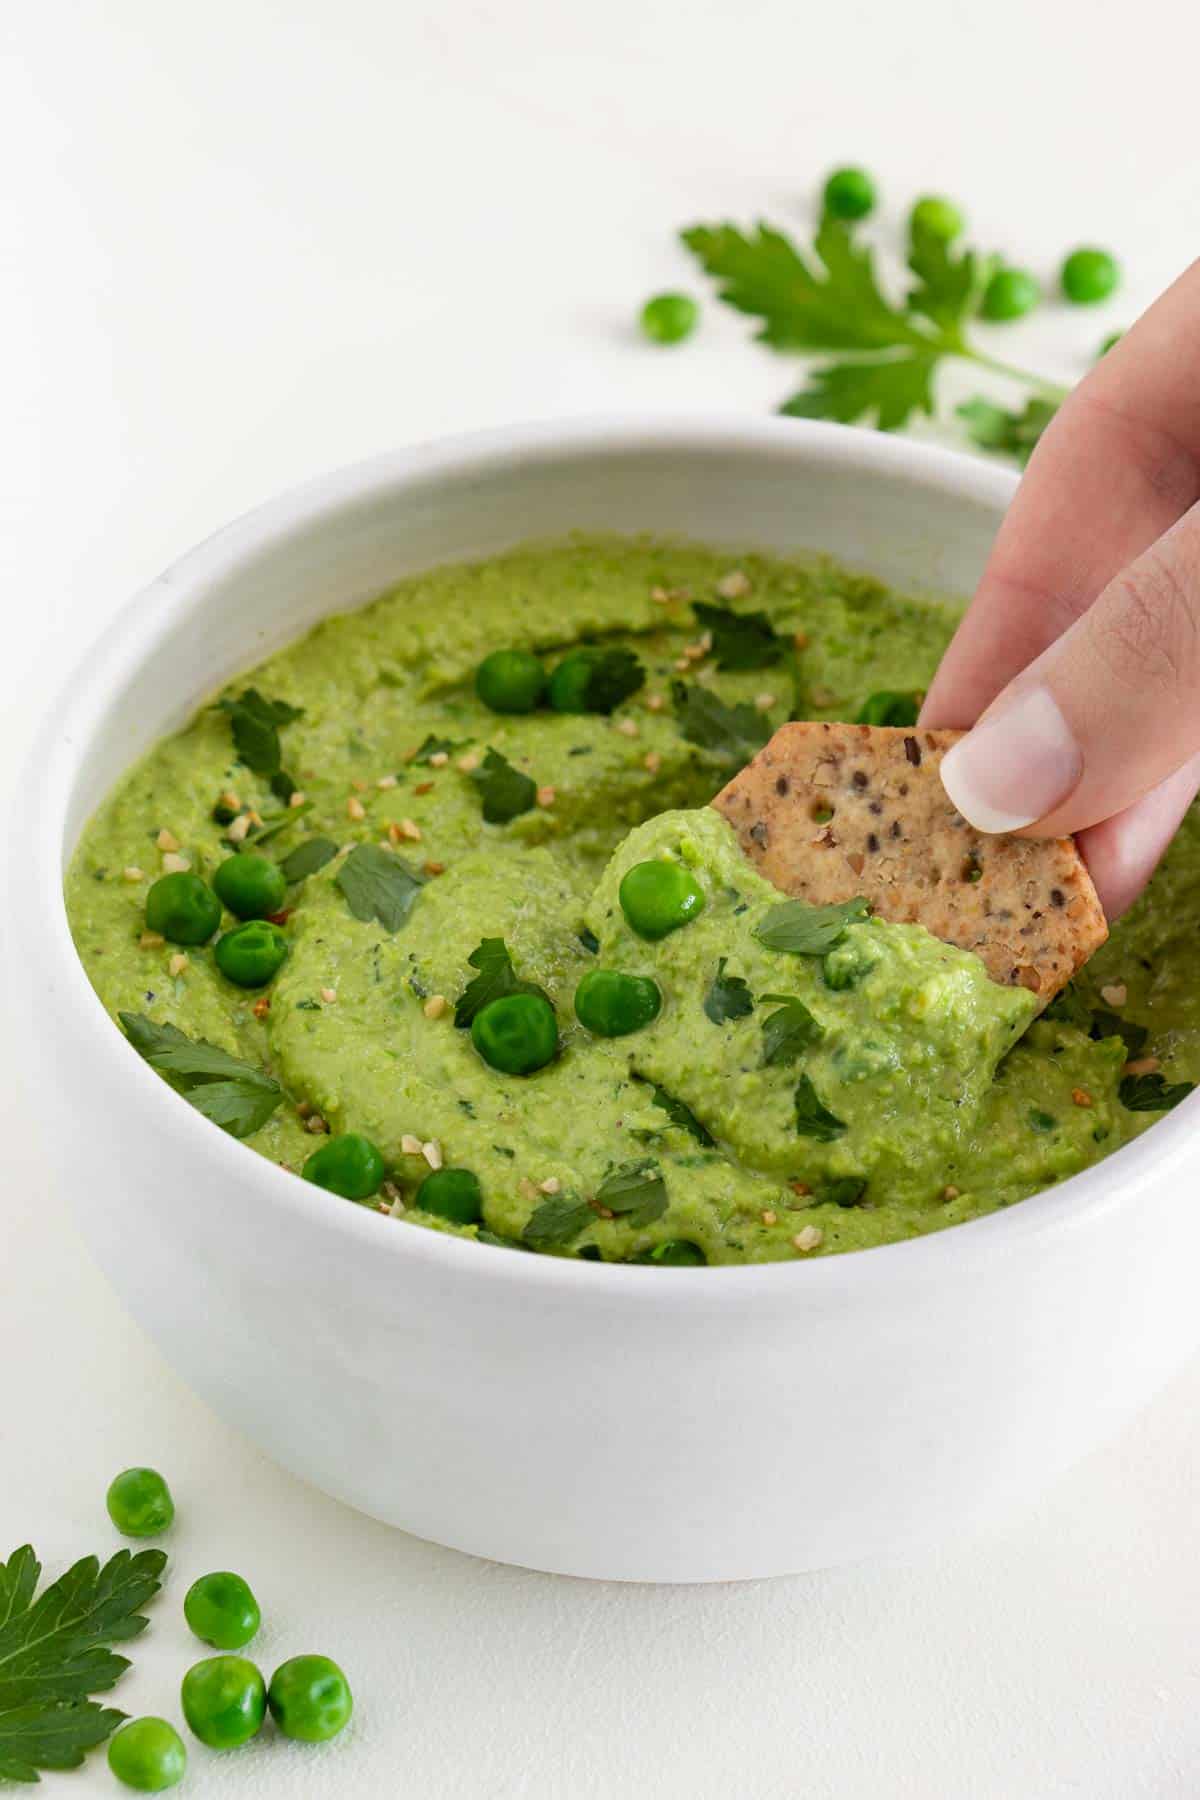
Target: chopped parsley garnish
1152	1093
555	1222
378	885
495	981
846	1190
734	733
589	940
504	791
308	857
256	722
438	746
1109	1024
681	1116
812	1118
740	640
728	997
809	930
272	825
233	1094
789	1031
636	1192
613	675
1070	1008
888	708
55	1651
1042	1121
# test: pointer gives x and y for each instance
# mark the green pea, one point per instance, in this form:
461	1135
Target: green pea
252	953
659	897
224	1701
222	1611
1089	276
1010	294
935	217
251	885
510	681
849	194
676	1253
139	1503
183	908
610	1004
669	318
516	1034
148	1754
348	1164
310	1699
452	1194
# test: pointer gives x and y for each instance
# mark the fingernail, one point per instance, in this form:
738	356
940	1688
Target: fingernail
1015	767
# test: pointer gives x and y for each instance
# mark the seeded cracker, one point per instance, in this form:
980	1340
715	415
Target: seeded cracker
827	811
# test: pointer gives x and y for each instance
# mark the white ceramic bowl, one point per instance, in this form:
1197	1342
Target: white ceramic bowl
684	1425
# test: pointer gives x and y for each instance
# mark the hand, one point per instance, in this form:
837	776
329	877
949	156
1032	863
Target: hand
1078	662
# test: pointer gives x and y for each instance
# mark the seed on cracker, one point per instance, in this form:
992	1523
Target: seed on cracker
827	811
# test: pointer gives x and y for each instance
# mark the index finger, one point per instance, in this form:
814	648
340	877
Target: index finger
1118	466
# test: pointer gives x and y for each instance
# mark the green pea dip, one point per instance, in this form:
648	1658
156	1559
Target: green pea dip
783	1103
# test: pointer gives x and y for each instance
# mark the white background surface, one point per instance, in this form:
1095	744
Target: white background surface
250	240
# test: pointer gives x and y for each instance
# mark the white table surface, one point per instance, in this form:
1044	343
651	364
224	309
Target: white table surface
256	239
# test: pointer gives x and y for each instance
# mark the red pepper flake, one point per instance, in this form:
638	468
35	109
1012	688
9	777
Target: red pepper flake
281	917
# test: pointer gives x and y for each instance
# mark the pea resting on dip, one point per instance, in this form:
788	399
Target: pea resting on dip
488	962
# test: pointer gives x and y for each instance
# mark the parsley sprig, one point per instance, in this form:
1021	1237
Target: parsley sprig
55	1652
233	1094
828	298
496	979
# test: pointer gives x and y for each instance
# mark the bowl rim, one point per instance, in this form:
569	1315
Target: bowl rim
935	1258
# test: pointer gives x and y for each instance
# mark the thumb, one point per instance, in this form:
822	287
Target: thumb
1101	717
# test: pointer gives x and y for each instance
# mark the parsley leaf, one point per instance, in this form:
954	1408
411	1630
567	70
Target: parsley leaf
54	1650
504	791
438	746
830	303
555	1222
948	285
789	1031
1015	434
681	1116
1151	1093
272	825
233	1094
615	674
635	1192
888	708
740	640
496	979
54	1736
308	857
886	389
809	930
378	885
728	997
1069	1008
734	733
845	1190
812	1118
256	723
1109	1024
